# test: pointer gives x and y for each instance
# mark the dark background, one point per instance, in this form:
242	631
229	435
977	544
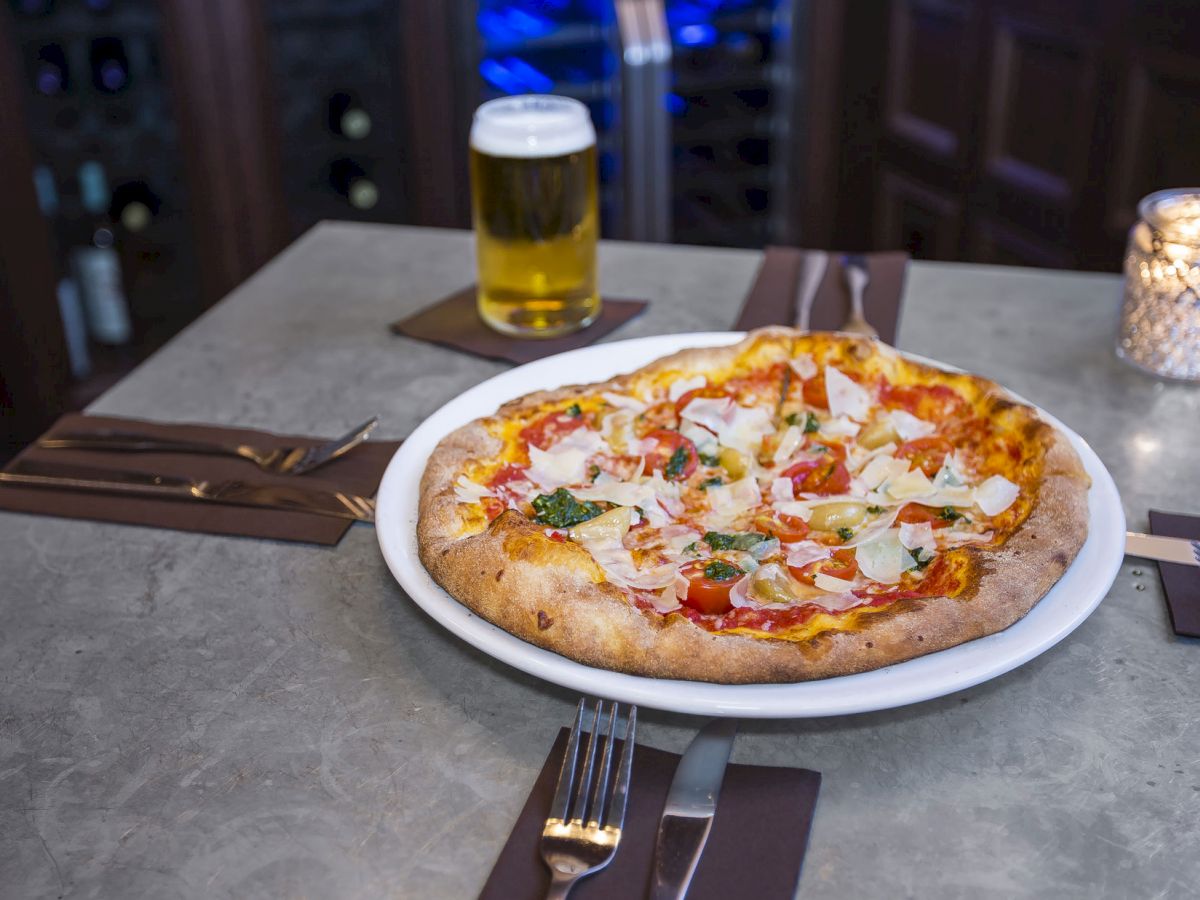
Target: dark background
188	141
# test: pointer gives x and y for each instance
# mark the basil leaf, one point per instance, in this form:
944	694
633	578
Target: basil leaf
719	570
562	510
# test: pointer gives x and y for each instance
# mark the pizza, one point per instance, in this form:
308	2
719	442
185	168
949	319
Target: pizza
798	505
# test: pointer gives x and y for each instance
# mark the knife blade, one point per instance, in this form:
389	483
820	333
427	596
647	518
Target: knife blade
238	493
812	272
1164	549
691	804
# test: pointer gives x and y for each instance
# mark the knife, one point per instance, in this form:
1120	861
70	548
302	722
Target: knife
691	804
1164	549
812	272
238	493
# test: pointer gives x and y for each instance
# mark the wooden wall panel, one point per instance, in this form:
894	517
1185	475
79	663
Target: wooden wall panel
924	99
919	218
1041	104
1157	134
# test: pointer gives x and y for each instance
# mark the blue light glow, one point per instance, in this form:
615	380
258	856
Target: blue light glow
514	76
696	35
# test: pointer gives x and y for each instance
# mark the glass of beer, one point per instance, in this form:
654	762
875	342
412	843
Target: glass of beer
533	201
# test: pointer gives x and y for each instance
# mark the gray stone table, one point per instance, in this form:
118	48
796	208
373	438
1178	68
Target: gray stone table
184	715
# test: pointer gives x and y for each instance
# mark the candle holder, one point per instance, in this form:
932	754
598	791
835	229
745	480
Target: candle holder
1160	317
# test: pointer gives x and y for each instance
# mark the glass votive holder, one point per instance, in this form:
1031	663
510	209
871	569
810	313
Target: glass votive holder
1160	317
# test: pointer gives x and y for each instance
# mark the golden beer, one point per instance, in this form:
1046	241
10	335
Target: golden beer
534	205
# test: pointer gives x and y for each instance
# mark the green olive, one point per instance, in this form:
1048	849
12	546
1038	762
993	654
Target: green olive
833	516
771	584
732	462
878	433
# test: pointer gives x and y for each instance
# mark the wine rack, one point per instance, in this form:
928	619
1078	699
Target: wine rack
335	81
566	47
109	179
108	172
730	122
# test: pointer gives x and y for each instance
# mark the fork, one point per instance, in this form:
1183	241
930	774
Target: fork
281	460
854	271
581	837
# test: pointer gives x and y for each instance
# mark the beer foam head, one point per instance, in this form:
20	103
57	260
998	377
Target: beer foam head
531	126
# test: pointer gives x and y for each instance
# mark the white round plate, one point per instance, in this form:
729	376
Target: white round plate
1066	605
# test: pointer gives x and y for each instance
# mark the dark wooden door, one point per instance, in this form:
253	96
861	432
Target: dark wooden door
1014	131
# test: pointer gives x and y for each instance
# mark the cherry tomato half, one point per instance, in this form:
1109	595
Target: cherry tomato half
927	453
814	391
915	514
789	529
550	429
667	444
819	476
709	391
843	564
707	595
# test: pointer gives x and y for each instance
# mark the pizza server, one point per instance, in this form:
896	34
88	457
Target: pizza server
691	804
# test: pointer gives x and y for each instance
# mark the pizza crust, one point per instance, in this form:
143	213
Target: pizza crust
554	595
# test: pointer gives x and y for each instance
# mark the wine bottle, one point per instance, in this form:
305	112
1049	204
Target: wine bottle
50	75
347	118
96	265
350	180
134	205
110	66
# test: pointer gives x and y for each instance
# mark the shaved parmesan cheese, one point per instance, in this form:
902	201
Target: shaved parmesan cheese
705	440
557	466
739	594
909	485
846	397
838	602
737	427
468	491
803	365
620	569
792	439
681	585
735	498
609	527
713	413
621	401
952	537
831	584
881	469
804	552
798	508
996	495
908	426
782	490
665	601
683	385
948	496
763	549
884	559
858	457
625	493
914	536
678	540
840	426
617	430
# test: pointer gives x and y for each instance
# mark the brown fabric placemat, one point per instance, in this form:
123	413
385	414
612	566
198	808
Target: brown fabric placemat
755	849
454	322
358	472
1181	583
772	298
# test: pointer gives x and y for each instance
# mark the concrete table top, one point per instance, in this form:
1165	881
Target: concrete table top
184	715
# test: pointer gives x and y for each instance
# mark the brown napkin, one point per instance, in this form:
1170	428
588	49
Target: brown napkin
772	298
755	849
454	322
1181	583
358	472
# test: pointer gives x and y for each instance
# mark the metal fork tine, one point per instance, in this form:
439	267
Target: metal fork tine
566	775
597	807
1196	550
585	779
615	816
